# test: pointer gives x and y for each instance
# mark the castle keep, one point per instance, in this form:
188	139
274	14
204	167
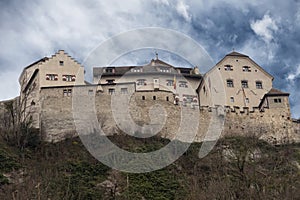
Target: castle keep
243	89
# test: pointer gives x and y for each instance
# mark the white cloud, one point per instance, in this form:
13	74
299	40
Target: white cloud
10	88
264	27
293	88
183	10
293	75
164	2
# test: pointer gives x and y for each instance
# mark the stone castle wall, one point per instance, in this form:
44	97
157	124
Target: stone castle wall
57	120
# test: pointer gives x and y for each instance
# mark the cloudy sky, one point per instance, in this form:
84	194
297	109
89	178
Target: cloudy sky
267	31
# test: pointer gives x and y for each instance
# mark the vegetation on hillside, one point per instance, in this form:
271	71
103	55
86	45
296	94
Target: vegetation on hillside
237	168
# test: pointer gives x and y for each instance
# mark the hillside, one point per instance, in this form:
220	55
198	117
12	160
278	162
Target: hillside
237	168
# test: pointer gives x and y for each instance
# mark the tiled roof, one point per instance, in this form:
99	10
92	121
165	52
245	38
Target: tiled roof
274	92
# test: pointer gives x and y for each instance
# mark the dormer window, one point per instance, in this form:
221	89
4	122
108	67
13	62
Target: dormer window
136	70
110	70
61	63
228	68
164	70
246	69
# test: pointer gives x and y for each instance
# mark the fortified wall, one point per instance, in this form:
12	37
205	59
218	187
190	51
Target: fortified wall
273	125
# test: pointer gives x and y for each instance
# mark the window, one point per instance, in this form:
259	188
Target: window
259	85
154	97
61	63
164	70
110	81
170	82
228	68
246	69
91	92
136	70
124	91
51	77
111	91
167	98
110	70
244	84
69	78
247	100
141	82
183	84
143	98
232	99
67	92
277	100
229	83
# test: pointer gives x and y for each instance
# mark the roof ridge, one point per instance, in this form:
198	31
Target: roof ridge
235	53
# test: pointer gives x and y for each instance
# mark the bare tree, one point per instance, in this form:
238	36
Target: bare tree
16	124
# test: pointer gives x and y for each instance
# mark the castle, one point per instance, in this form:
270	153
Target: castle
238	84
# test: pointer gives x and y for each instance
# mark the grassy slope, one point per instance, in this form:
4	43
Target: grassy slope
237	168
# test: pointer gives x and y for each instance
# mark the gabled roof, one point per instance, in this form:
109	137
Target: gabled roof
237	54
